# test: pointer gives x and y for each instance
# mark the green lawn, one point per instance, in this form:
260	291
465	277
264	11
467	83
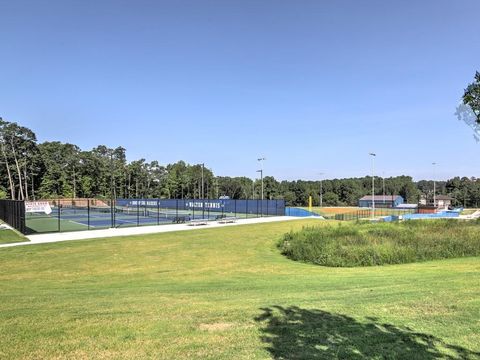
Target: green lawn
10	236
228	293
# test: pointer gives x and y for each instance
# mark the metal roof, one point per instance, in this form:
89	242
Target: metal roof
381	197
443	197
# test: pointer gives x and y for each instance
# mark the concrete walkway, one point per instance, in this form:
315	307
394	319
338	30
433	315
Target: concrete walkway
96	234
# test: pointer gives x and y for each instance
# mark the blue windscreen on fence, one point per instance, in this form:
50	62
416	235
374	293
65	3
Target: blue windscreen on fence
91	214
252	207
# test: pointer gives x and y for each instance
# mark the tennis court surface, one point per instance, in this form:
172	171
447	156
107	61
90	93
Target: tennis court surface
92	214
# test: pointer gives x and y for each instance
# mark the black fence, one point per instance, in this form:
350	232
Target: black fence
13	213
89	214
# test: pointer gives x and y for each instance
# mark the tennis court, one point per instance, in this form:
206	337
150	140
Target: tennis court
78	215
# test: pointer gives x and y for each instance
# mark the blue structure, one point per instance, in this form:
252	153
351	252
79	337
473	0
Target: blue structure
387	201
201	207
292	211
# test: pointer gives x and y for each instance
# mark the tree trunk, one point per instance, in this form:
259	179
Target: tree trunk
10	180
20	186
25	178
129	184
74	185
33	188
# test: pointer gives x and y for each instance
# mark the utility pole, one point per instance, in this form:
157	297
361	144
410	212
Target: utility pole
373	155
261	171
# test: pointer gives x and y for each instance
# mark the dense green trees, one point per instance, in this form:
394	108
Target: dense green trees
471	96
53	169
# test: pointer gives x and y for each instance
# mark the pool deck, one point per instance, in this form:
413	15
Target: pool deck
112	232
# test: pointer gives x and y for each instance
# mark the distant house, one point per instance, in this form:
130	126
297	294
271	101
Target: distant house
381	201
441	201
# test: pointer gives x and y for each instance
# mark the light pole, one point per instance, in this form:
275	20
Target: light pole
373	155
261	171
383	178
321	188
434	187
261	179
203	182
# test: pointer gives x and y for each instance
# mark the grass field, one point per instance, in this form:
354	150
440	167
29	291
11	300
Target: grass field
10	236
228	293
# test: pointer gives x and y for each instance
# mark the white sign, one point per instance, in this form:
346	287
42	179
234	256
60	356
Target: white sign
38	206
207	204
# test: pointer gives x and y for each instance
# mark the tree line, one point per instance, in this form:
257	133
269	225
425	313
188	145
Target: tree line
30	171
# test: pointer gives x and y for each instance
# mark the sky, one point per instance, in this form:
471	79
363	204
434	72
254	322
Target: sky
312	86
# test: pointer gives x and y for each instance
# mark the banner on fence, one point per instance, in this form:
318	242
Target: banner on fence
38	206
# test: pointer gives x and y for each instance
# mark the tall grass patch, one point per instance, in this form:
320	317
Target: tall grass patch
366	244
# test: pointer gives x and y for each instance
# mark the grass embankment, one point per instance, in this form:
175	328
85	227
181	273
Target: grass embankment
228	293
366	244
10	236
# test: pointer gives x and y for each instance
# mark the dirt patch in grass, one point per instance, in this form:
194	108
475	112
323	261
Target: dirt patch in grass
220	326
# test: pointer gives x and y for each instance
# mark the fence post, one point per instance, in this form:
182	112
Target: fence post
88	214
59	209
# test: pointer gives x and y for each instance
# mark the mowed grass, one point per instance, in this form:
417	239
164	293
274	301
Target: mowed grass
10	236
228	293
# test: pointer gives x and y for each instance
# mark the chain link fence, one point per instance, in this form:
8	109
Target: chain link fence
13	213
59	215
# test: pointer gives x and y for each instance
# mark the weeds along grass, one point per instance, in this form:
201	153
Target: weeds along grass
366	244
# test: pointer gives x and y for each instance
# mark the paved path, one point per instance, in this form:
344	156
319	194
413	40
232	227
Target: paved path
95	234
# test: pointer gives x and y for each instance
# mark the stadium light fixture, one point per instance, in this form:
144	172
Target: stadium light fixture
373	155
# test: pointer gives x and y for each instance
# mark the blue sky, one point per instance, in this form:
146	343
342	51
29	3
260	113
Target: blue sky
313	86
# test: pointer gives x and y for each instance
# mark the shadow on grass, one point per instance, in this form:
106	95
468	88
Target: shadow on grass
295	333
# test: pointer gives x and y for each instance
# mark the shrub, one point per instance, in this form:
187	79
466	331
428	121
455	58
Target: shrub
365	244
